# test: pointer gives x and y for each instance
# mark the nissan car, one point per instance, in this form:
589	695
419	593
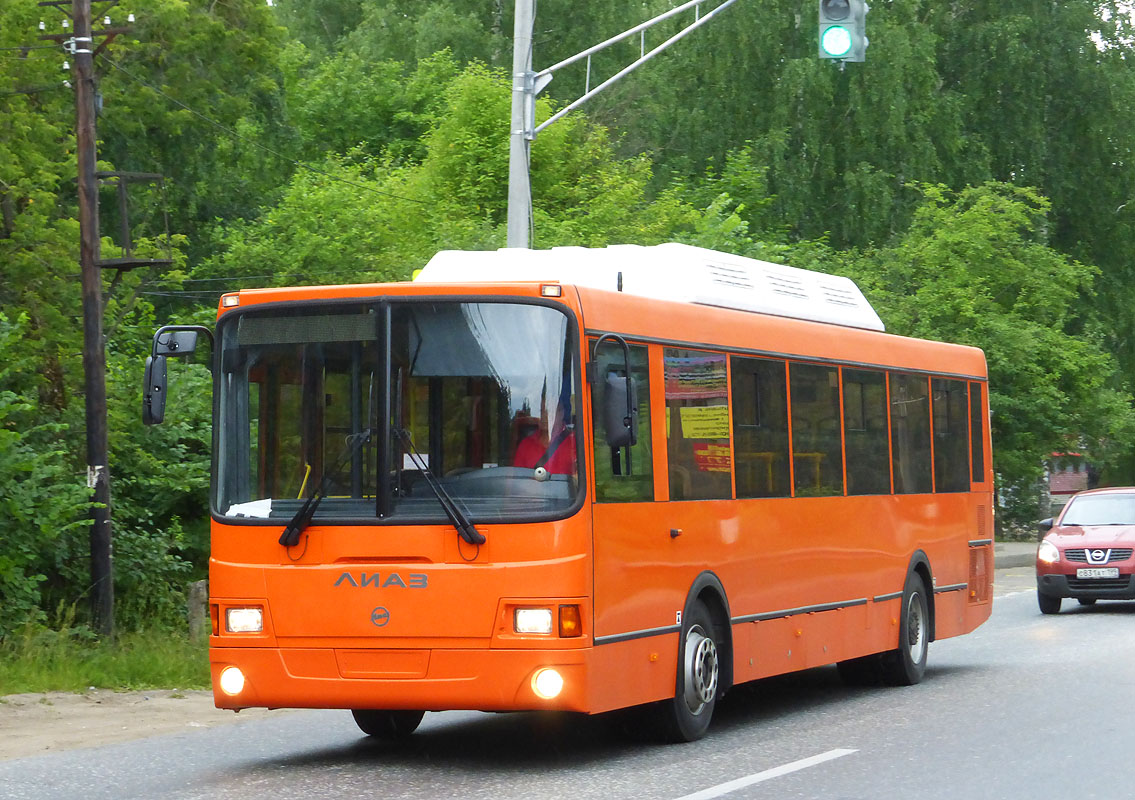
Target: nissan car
1086	552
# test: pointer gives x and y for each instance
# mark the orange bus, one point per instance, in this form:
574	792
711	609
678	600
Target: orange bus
589	480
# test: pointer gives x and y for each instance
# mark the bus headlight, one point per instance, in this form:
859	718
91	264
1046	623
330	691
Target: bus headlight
1047	552
533	620
231	681
244	620
547	683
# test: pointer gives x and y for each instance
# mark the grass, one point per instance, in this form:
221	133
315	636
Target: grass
42	660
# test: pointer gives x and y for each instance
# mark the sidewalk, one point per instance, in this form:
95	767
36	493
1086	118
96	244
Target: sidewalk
1013	554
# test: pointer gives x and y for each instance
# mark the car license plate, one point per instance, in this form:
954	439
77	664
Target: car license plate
1098	572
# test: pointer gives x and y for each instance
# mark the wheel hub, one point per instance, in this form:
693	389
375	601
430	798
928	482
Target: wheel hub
701	670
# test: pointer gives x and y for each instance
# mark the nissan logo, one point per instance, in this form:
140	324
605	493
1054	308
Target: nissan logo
1098	556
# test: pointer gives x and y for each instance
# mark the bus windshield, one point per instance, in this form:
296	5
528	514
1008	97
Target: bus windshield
357	401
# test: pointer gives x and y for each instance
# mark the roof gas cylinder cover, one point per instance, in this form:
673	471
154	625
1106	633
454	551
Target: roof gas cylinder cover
675	272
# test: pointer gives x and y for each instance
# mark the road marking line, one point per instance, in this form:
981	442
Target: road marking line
758	777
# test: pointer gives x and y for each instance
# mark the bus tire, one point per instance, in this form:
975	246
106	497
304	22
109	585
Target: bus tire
686	717
906	664
389	725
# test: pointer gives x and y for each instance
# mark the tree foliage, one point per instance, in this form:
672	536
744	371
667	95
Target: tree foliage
974	174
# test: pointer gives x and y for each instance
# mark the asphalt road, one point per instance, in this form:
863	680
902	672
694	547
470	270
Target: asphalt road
1026	707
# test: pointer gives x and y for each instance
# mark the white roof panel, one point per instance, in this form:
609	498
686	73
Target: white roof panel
676	272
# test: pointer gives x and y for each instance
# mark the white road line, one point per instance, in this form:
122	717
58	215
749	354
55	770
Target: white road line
775	772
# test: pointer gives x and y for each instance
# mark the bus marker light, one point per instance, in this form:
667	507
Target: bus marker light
230	301
547	684
569	622
231	681
244	620
533	620
551	290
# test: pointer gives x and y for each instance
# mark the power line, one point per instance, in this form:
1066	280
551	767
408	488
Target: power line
255	143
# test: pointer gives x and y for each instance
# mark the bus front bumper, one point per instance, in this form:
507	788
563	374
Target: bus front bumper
431	680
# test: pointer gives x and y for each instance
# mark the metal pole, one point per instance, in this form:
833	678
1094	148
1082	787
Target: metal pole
523	105
94	354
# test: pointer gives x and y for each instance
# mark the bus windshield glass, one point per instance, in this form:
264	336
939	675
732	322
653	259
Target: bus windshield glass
355	402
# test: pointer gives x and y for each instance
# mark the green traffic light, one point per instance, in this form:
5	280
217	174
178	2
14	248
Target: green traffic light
836	41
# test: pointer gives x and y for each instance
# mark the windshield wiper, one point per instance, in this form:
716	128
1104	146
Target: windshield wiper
291	535
465	528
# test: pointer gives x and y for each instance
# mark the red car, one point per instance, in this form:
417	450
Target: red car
1086	553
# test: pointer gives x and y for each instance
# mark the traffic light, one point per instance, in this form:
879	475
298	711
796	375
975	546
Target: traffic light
843	26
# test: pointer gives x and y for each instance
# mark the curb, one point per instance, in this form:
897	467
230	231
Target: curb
1007	555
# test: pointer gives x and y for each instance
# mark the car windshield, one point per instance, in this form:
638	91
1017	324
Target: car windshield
357	401
1101	509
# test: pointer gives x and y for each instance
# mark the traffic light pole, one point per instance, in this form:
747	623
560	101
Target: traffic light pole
519	142
526	84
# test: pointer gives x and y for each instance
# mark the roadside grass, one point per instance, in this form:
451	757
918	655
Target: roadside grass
38	659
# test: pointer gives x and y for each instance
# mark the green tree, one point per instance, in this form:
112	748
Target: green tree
974	269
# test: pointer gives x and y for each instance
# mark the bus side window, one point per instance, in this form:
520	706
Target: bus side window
614	483
865	432
910	433
977	434
951	450
760	426
697	425
817	454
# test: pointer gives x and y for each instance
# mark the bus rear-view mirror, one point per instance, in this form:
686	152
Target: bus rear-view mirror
620	410
154	390
175	343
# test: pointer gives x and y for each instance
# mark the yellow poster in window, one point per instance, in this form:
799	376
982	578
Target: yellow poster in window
705	422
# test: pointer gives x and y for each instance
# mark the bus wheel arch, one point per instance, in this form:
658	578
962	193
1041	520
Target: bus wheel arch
708	590
906	664
704	669
920	565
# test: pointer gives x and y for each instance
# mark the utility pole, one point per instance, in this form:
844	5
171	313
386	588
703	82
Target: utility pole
526	84
81	47
94	352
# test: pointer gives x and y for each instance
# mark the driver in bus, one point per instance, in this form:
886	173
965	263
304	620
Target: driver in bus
555	454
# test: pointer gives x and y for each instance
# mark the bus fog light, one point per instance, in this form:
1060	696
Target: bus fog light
231	681
244	620
533	620
547	684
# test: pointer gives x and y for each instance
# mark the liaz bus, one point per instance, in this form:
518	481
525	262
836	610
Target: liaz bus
582	480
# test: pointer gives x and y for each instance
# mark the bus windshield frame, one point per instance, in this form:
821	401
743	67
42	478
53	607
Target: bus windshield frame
484	392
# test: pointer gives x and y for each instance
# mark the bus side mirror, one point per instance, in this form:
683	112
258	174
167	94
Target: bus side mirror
170	341
154	391
620	410
175	343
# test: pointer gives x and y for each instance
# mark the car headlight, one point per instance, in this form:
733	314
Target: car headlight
1047	552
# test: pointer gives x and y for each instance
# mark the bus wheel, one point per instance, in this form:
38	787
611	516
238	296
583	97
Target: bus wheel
905	665
686	717
389	725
